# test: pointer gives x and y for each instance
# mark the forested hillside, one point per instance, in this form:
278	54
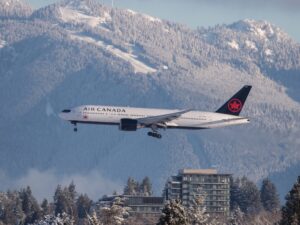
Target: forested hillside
81	52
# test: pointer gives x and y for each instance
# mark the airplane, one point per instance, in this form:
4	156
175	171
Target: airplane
131	119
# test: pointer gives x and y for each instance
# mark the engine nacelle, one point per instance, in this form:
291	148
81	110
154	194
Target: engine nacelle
128	124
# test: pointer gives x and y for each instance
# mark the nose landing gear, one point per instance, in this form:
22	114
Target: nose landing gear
75	126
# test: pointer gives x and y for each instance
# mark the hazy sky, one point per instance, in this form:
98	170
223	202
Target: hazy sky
283	13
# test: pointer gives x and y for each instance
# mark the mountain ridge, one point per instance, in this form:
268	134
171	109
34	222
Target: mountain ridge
57	62
12	9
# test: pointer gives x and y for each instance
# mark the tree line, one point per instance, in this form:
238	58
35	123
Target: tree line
249	205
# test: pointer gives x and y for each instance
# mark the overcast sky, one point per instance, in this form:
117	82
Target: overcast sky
283	13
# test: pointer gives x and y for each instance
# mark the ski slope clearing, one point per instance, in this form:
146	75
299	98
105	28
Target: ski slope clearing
139	67
69	15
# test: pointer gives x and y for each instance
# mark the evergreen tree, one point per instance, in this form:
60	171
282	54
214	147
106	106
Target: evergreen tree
146	187
132	187
60	219
93	219
72	192
65	201
11	211
30	206
45	207
249	197
291	209
269	196
235	193
245	195
237	216
197	212
61	204
84	205
173	214
116	214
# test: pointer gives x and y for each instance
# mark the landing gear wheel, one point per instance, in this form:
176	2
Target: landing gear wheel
154	134
75	126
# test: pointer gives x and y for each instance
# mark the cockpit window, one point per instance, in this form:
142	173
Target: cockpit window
66	111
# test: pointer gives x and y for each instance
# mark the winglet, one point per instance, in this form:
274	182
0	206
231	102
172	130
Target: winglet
235	104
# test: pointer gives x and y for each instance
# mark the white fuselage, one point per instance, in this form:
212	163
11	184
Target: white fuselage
97	114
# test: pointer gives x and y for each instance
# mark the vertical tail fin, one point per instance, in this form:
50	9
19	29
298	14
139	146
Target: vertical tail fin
235	104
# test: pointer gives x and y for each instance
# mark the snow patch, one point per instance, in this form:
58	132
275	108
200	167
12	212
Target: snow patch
147	17
233	44
151	19
2	43
131	11
70	15
261	29
166	30
268	52
139	67
261	33
251	45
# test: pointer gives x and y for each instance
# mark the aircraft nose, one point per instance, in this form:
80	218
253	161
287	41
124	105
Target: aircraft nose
65	114
62	115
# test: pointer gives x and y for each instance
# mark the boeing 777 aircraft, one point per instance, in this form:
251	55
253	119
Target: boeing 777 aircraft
131	119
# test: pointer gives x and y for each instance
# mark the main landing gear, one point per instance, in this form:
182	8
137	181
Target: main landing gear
154	134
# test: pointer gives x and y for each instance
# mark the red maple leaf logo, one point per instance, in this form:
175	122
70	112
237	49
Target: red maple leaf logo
235	105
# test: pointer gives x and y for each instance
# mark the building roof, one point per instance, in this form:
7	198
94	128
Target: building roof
198	171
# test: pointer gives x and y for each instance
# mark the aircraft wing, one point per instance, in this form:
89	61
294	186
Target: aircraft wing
161	119
217	122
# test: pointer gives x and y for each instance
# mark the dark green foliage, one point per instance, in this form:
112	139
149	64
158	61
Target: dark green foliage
291	210
45	207
11	208
133	187
246	196
21	207
234	193
72	191
84	205
173	214
146	187
64	200
269	196
30	206
60	201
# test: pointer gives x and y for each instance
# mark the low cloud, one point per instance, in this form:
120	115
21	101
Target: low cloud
44	183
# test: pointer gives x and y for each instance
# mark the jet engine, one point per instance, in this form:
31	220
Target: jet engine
128	124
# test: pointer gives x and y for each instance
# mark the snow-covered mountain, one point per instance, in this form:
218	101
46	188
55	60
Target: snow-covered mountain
80	52
14	9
